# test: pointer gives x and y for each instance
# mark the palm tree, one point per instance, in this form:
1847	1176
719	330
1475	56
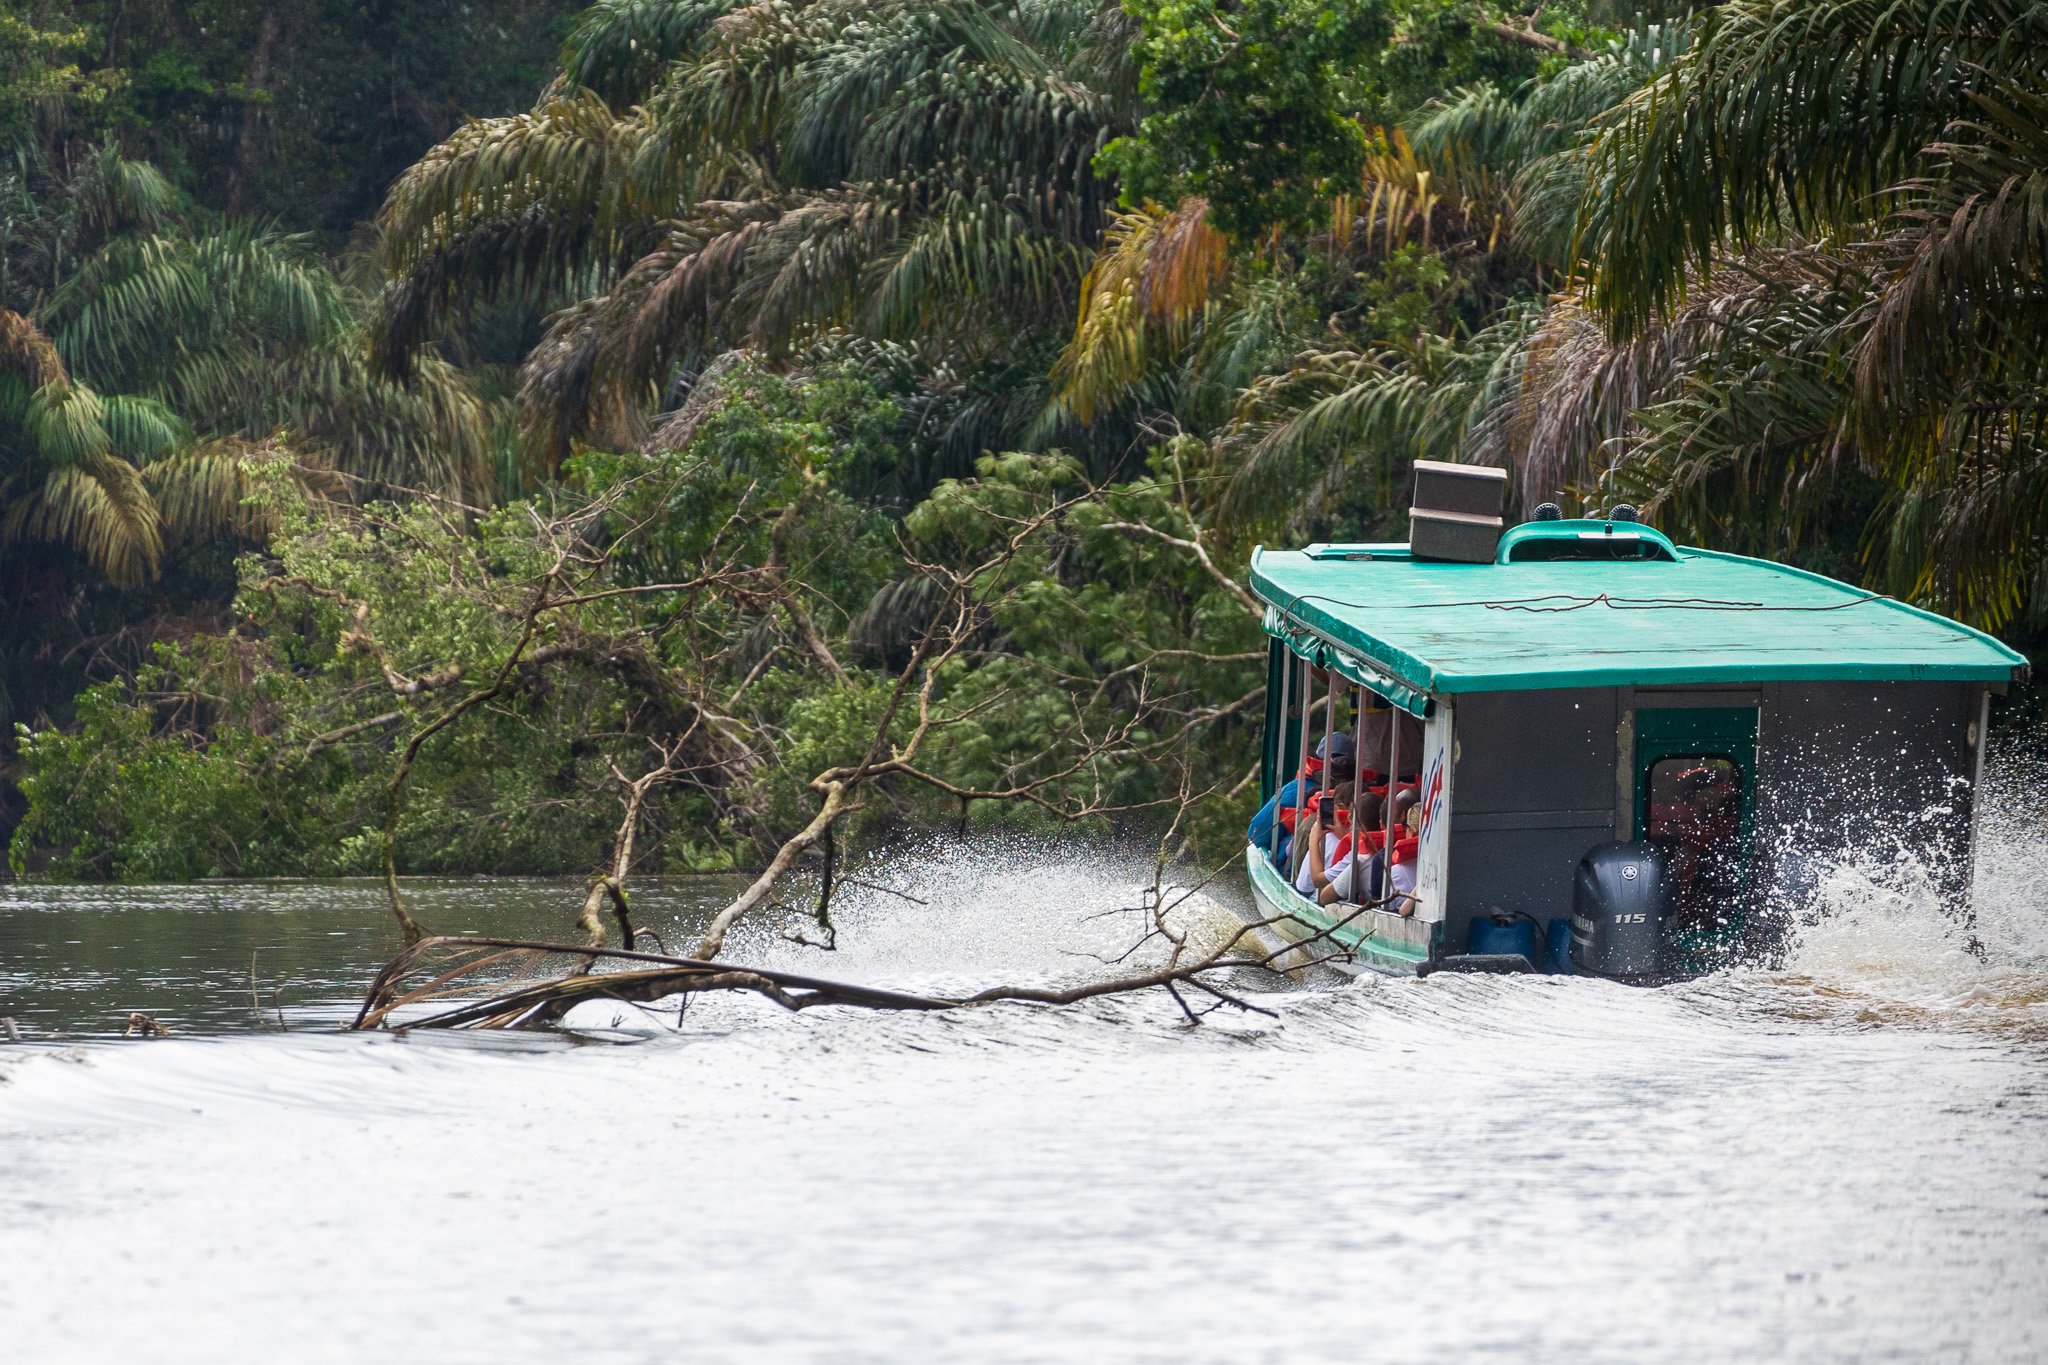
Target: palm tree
249	332
1819	243
705	176
144	349
1304	412
72	463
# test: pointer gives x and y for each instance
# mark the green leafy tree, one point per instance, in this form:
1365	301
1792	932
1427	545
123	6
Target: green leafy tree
1254	108
728	604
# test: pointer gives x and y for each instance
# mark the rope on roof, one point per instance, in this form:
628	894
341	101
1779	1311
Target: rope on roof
1561	601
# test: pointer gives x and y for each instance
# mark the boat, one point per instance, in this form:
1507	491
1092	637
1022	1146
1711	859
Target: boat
1629	757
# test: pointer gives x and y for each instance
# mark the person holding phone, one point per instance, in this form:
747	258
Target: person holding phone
1356	855
1328	829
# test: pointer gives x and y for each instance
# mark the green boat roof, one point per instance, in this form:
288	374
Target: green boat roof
1660	614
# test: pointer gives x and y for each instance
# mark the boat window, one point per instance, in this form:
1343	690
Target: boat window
1590	545
1696	816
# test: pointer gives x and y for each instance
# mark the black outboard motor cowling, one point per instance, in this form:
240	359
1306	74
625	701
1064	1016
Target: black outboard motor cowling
1620	902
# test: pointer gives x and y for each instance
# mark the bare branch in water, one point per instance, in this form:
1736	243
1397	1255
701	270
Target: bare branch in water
466	966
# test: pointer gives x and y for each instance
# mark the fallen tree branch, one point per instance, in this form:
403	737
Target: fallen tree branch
547	1002
678	975
613	884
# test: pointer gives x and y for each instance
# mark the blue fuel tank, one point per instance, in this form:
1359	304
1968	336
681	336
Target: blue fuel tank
1491	934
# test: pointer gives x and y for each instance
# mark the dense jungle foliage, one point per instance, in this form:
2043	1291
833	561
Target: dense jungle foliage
807	385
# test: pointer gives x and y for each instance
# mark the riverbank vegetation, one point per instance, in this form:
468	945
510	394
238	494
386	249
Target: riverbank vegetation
809	421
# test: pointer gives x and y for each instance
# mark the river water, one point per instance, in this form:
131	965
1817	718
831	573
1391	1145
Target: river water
1843	1157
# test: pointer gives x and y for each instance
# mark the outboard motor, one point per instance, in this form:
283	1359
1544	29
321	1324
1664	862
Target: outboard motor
1620	901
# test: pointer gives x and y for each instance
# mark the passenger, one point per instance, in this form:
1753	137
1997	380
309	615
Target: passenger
1375	888
1354	852
1377	728
1405	799
1407	851
1281	808
1321	840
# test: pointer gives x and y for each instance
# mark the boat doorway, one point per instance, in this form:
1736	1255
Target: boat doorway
1696	799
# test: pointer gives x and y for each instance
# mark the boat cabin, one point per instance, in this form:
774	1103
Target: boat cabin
1721	725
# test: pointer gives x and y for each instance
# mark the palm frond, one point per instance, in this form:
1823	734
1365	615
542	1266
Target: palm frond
1359	417
622	48
1139	300
98	506
552	185
794	166
200	491
1784	115
1960	330
29	354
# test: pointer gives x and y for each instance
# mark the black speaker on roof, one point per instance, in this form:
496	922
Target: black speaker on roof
1457	511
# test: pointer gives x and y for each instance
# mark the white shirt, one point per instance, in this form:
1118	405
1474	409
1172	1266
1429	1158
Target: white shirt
1303	882
1340	876
1338	872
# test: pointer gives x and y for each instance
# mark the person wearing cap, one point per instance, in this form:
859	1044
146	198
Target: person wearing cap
1280	808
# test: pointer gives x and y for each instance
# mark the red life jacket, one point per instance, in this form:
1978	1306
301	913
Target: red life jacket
1405	849
1309	772
1289	818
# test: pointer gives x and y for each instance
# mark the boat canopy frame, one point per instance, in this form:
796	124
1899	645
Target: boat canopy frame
1319	650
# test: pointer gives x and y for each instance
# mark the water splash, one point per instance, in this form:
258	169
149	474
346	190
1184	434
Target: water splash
1879	944
948	916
